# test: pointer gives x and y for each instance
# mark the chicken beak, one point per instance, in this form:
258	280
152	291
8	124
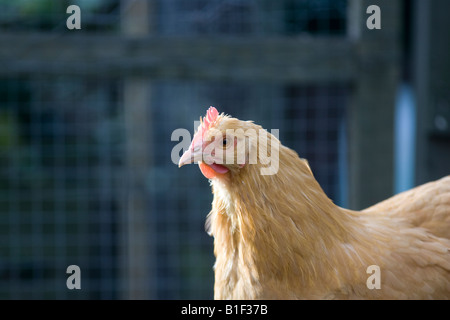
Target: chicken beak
191	156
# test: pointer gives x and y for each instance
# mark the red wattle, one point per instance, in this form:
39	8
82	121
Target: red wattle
213	170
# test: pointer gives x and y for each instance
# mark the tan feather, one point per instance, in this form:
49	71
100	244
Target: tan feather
280	237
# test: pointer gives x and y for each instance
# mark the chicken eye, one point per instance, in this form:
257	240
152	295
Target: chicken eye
224	142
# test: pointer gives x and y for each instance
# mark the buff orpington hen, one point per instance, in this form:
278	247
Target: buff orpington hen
278	236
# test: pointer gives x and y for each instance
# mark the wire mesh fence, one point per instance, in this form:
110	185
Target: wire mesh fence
66	178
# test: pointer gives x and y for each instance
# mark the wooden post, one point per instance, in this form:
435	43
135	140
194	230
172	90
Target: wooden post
137	248
371	110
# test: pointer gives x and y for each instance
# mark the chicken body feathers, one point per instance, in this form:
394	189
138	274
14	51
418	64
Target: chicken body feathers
426	206
280	237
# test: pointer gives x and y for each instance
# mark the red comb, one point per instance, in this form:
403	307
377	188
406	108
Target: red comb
210	118
206	123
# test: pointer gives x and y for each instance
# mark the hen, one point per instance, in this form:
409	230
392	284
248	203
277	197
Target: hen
278	236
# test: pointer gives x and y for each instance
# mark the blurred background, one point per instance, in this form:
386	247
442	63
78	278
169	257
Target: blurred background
86	118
